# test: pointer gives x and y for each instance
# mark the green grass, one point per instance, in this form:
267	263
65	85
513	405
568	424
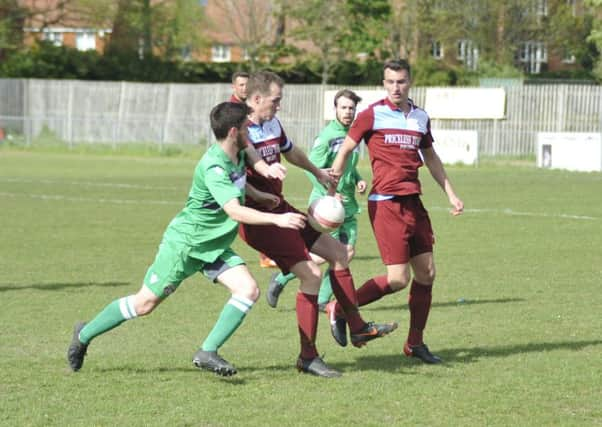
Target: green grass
47	142
516	308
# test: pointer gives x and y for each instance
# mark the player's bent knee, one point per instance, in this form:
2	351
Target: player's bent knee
312	273
426	277
146	307
249	290
339	258
310	279
350	253
254	293
314	277
398	285
398	280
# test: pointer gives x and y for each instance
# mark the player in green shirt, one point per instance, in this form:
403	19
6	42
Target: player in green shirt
322	154
198	239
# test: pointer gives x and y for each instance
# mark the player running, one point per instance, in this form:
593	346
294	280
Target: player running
290	248
398	136
198	239
322	155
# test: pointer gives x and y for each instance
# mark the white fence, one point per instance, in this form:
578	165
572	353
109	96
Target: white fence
119	112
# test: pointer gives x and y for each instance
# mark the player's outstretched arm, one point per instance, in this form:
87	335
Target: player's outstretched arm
437	170
319	157
240	213
275	170
340	161
269	200
298	158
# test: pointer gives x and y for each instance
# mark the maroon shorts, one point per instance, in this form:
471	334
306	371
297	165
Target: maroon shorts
402	228
285	246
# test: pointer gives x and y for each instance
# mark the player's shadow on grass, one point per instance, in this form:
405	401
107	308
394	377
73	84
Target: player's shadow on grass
388	363
397	362
60	286
389	307
445	304
473	354
158	370
366	257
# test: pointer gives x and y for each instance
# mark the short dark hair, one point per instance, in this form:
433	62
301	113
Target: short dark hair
226	116
238	74
347	93
261	82
397	65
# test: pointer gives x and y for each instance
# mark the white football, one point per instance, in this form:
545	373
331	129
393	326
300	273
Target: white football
326	214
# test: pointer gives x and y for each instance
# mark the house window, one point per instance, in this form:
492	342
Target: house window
568	57
53	37
541	8
533	54
186	52
437	50
220	53
572	5
85	40
468	53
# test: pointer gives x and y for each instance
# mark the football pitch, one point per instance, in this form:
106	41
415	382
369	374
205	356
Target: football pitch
516	311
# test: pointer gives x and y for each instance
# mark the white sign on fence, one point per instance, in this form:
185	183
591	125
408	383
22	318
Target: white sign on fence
456	146
465	103
576	151
368	97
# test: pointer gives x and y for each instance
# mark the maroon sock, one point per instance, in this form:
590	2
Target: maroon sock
344	291
307	321
374	289
419	302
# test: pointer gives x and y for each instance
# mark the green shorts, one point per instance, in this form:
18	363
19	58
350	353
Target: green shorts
172	265
347	232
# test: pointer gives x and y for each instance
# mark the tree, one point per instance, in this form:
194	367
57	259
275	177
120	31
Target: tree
143	28
595	35
250	24
177	28
402	34
12	17
324	22
366	32
566	32
126	31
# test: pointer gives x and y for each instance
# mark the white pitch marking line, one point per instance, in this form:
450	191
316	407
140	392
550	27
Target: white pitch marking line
506	211
511	212
92	200
88	184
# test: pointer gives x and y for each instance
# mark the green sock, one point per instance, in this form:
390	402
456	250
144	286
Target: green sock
229	320
283	279
113	315
325	288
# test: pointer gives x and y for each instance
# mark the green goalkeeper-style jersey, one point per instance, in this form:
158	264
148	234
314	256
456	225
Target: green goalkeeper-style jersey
323	153
203	225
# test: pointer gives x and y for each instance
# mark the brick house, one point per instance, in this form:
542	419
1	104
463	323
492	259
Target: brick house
234	28
54	21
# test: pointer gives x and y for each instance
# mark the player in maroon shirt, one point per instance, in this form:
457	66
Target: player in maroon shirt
291	250
398	136
239	94
239	86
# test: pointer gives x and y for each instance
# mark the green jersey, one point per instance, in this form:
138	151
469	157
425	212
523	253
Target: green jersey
323	153
203	225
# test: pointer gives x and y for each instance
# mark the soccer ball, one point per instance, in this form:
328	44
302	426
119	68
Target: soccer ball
326	214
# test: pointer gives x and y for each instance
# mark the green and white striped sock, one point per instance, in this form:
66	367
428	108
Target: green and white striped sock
113	315
229	320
